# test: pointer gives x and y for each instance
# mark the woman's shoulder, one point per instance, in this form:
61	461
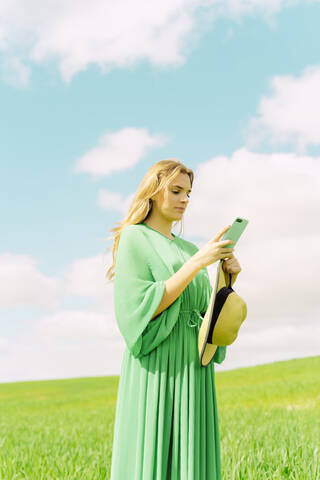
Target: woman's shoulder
133	228
133	232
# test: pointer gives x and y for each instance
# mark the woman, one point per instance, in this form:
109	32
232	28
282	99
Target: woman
166	423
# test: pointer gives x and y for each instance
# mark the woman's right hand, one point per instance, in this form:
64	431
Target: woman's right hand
214	250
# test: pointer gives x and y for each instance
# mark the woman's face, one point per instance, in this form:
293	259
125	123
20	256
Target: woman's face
176	196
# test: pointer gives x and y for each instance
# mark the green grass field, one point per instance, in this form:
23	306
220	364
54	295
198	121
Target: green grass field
269	418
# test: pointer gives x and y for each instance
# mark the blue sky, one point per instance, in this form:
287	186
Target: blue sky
207	97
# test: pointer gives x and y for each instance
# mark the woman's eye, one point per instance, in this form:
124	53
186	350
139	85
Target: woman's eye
179	192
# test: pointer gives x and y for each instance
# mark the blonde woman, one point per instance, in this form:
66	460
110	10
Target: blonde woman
166	423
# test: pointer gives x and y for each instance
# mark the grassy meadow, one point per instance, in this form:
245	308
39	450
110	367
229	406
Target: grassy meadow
269	419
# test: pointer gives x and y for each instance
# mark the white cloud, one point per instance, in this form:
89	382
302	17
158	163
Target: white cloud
31	359
113	34
290	113
272	344
75	326
280	196
114	201
23	284
85	277
4	344
118	151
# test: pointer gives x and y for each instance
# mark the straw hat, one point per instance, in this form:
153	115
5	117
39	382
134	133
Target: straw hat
225	313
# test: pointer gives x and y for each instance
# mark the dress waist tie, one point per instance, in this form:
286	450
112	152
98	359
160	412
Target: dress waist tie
194	317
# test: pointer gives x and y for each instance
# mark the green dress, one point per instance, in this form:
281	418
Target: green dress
166	422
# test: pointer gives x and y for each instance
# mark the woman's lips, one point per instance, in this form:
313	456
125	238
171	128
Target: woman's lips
181	209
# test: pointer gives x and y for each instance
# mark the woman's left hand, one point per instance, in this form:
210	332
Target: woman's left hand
231	265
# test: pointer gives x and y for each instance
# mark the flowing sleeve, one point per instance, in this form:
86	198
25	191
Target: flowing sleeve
220	353
137	295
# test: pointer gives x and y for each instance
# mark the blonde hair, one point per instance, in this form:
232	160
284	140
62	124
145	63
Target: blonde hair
158	176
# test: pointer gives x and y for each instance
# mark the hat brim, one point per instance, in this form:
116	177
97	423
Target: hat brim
207	350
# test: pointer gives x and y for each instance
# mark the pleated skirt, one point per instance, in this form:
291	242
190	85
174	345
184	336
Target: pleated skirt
166	422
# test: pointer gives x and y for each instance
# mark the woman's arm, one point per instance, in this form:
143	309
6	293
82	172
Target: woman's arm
175	285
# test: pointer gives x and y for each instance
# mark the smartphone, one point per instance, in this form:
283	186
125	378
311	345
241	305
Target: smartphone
235	231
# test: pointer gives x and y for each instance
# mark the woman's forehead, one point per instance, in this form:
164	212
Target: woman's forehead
181	181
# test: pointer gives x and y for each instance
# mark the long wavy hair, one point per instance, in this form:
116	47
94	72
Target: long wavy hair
158	177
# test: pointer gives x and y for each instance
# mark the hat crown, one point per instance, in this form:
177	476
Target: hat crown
225	313
231	316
